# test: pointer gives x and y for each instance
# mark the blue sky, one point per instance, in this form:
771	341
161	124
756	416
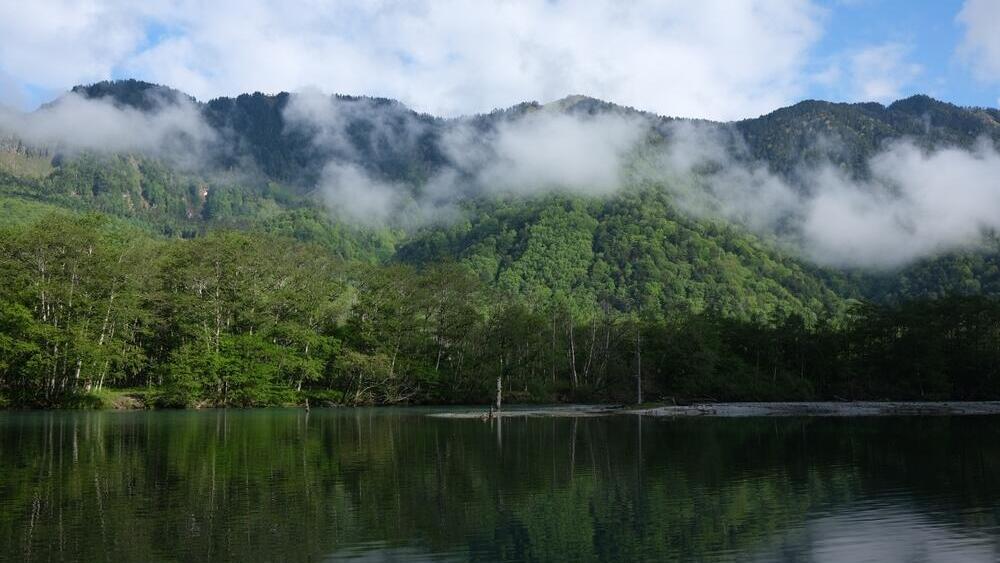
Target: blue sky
719	59
928	31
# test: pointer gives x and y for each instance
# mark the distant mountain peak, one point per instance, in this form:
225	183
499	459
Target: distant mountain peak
580	104
922	103
133	93
572	100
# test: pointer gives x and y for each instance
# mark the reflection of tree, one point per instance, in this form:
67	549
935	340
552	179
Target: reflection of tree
287	485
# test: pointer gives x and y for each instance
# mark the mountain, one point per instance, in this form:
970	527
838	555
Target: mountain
279	249
637	247
786	137
255	126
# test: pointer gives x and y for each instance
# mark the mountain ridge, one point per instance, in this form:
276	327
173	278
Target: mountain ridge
638	246
124	91
780	137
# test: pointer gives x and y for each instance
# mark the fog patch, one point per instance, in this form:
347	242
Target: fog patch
354	196
908	203
536	152
544	151
913	203
173	130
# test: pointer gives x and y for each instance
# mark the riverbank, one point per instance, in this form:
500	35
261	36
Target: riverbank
137	399
732	410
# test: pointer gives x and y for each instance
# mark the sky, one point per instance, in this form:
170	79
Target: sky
715	59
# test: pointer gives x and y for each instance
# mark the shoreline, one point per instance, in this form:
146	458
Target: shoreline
752	409
128	403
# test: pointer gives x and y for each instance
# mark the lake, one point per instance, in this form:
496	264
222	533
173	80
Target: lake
397	485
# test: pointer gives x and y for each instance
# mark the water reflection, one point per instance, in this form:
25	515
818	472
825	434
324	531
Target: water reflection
370	484
884	533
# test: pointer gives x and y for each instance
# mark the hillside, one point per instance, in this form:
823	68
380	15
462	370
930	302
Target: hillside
262	166
263	249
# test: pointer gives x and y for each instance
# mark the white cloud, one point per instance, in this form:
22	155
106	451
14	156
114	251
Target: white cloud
547	150
538	151
915	204
981	44
876	73
59	43
713	58
880	73
174	130
355	196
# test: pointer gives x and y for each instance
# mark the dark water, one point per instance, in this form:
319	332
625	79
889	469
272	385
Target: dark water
281	485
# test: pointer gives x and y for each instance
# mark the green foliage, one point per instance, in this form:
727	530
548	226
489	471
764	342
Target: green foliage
634	252
241	290
804	132
250	319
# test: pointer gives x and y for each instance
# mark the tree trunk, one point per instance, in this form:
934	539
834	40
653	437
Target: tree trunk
638	364
572	354
552	355
499	392
590	352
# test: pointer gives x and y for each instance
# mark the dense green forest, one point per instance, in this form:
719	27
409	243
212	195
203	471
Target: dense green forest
245	318
122	271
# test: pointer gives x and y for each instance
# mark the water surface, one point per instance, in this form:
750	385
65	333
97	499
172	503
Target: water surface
395	484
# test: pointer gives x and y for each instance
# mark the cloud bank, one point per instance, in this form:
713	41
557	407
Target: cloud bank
910	203
914	202
547	150
527	152
173	130
446	57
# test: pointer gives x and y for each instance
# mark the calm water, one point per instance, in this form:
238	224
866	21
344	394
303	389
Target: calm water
390	484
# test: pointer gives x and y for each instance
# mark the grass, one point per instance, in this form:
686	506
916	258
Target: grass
15	210
111	399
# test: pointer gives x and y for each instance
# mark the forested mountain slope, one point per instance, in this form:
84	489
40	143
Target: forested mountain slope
262	167
250	250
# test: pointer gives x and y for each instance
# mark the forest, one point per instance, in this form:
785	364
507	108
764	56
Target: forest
135	279
93	310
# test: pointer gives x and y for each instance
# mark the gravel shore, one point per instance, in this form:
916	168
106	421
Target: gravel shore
846	408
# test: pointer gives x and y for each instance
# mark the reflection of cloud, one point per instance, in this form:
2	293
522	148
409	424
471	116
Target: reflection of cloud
883	534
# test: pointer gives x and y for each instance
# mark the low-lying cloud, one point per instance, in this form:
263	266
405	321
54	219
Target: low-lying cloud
548	150
910	203
918	203
174	129
541	150
356	197
913	203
